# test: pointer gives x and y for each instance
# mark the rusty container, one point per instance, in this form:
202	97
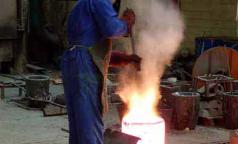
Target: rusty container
230	110
166	112
234	137
235	85
185	110
167	91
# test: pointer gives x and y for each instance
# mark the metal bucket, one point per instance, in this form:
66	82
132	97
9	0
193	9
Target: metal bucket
37	84
185	110
166	113
37	87
230	110
234	137
235	85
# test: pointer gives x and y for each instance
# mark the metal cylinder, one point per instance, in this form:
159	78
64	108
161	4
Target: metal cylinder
166	112
185	110
37	85
234	137
230	106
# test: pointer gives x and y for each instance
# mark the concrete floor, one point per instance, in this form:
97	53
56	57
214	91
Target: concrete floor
20	126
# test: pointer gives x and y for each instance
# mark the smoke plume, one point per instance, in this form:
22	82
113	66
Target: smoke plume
159	31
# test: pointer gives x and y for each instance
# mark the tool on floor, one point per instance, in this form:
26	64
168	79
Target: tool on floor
116	137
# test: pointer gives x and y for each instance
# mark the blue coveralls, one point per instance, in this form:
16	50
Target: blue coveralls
90	22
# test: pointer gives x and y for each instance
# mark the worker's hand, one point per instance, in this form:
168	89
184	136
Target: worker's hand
135	60
129	17
119	59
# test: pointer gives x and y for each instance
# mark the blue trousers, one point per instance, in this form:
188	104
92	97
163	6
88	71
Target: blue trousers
82	87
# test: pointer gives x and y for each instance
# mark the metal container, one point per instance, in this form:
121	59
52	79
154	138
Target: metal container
185	110
234	137
37	85
166	112
37	88
230	110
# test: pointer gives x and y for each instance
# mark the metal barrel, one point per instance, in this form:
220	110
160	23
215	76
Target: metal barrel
185	110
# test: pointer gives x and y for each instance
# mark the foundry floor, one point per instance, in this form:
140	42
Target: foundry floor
20	126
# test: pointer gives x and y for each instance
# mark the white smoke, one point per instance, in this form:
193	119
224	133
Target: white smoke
159	30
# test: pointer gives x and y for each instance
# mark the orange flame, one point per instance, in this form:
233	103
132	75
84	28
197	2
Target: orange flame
157	42
143	104
142	119
141	96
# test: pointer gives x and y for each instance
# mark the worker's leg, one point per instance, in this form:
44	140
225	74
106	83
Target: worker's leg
83	90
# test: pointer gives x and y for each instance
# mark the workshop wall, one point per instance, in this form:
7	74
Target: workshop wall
8	31
56	14
48	21
208	18
8	17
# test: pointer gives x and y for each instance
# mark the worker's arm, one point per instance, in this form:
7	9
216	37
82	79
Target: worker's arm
119	59
108	22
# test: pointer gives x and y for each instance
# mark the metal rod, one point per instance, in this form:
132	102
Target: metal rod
132	42
10	76
46	101
22	88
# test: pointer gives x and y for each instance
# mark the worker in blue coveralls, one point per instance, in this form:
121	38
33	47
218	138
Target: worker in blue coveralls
91	26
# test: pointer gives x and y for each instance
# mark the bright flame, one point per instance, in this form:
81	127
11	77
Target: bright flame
143	104
142	120
159	30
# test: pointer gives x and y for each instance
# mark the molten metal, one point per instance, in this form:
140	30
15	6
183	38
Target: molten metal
142	119
150	132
